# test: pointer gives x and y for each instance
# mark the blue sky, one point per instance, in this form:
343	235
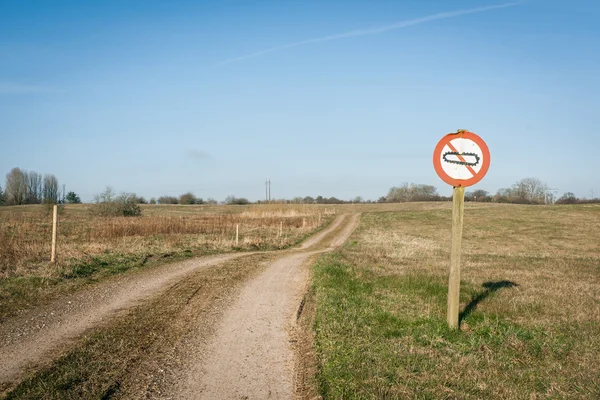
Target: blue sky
143	95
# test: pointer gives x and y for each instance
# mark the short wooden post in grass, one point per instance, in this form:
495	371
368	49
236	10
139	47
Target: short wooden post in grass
54	223
237	234
461	159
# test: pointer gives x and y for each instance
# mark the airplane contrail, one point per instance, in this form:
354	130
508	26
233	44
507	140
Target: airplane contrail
372	31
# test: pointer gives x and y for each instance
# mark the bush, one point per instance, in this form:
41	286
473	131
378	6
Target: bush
567	198
124	205
187	198
73	198
236	200
168	200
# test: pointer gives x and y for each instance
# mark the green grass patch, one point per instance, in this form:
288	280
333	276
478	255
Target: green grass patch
529	323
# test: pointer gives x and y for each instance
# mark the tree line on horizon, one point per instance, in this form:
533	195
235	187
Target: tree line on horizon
29	187
525	191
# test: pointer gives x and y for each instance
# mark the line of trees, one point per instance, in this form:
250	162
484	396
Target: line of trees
30	187
186	198
412	192
525	191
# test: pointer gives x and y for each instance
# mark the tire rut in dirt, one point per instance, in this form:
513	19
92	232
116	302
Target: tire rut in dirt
134	356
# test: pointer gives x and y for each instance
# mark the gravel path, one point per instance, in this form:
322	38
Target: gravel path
250	355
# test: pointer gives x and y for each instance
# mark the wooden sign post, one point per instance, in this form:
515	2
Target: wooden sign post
461	159
458	208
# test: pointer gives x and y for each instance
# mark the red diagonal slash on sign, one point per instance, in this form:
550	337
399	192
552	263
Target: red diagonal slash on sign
461	158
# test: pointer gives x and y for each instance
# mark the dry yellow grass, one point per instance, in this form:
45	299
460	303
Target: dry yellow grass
530	302
25	232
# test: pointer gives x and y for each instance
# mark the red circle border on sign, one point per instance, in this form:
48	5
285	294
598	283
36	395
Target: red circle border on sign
437	164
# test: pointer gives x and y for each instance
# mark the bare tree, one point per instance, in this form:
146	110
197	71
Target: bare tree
34	188
16	187
50	189
478	195
412	192
530	189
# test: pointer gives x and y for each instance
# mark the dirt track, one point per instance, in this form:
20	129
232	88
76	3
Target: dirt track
249	356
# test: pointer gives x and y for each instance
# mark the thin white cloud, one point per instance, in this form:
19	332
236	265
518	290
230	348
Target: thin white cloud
373	31
15	88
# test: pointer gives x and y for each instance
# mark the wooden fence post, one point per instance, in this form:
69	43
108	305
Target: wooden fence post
237	234
54	223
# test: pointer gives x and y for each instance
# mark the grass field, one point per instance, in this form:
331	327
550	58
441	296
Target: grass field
530	302
92	247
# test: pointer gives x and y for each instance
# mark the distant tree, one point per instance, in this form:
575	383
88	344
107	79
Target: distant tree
297	200
168	200
532	190
187	198
211	201
567	198
50	189
382	199
152	200
34	188
357	199
16	187
1	196
72	198
236	200
412	192
199	200
308	200
141	200
503	195
107	204
478	195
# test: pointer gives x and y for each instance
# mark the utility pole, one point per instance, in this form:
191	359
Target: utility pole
269	190
266	191
550	196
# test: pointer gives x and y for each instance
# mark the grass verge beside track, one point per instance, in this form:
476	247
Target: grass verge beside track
530	306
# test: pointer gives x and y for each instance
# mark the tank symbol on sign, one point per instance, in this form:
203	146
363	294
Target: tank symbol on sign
461	156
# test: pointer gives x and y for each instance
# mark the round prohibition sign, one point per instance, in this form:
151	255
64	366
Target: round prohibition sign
461	159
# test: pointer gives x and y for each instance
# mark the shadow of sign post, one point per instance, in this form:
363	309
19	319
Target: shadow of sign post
490	287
